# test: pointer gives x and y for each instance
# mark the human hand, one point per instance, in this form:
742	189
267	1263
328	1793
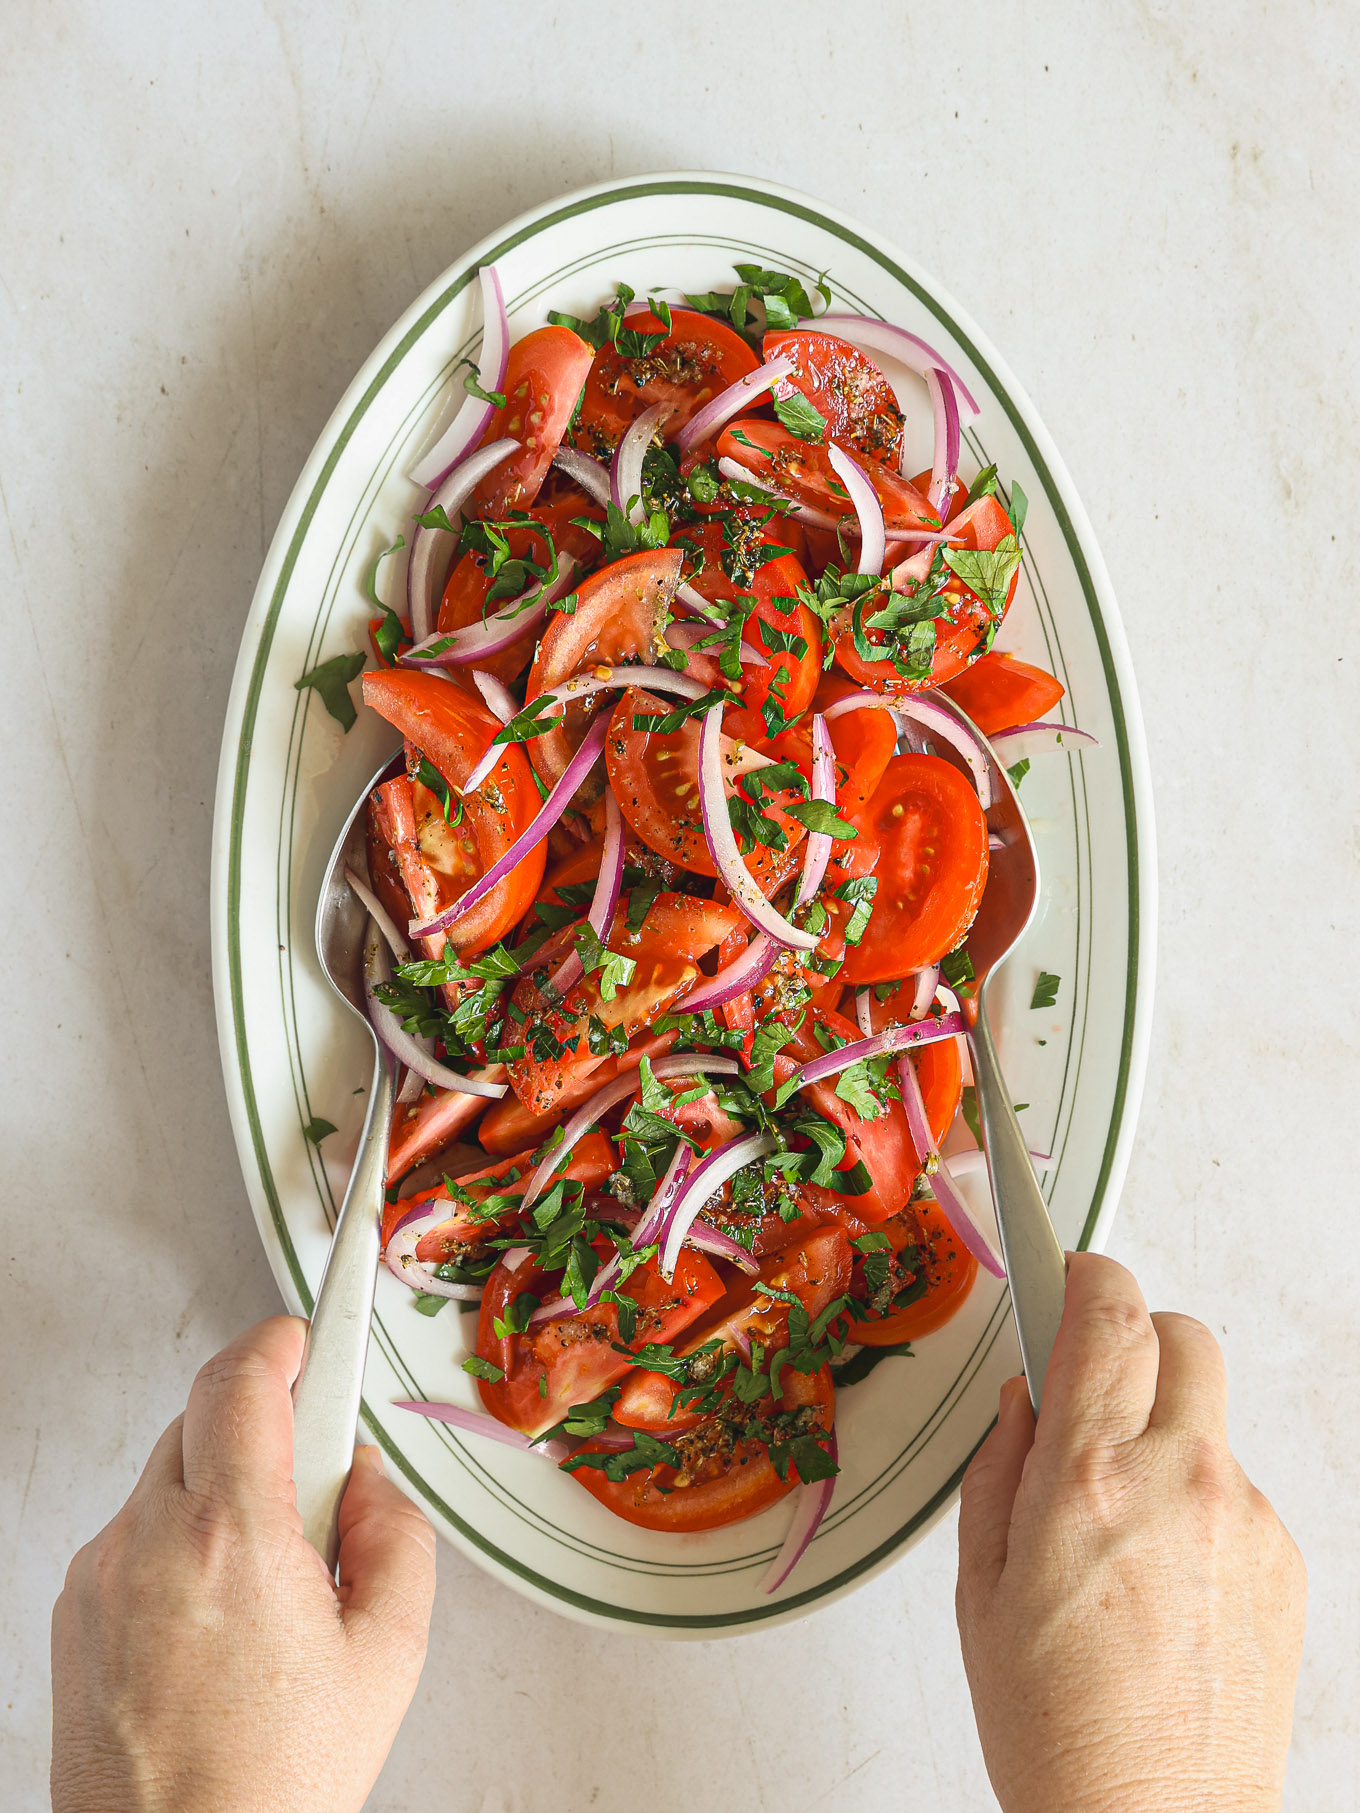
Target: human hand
201	1655
1131	1609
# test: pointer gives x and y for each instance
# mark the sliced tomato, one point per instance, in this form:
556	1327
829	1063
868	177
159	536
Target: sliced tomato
620	616
815	1267
998	692
932	868
864	741
465	593
926	1253
963	634
847	389
804	471
728	555
422	1129
655	778
508	1126
453	730
695	361
543	379
722	1477
676	933
549	1368
592	1160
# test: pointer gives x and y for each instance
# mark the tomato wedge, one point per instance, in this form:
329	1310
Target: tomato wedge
847	389
964	633
932	868
549	1368
677	931
998	692
508	1126
722	1477
815	1267
432	1122
695	361
620	616
655	778
453	730
803	470
542	382
929	1257
592	1160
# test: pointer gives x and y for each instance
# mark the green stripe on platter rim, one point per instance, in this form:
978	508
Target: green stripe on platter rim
468	1453
531	228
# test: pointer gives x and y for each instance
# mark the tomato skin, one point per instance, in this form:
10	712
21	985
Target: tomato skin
998	692
748	1484
655	779
803	469
453	730
543	379
576	1355
619	616
950	1271
676	933
432	1122
845	387
698	359
925	815
963	633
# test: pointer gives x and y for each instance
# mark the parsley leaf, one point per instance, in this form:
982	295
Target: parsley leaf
820	815
317	1129
987	571
1045	990
483	1369
331	681
800	417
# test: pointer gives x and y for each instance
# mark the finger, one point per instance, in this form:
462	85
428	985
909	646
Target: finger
1102	1378
987	1496
386	1573
1192	1381
238	1423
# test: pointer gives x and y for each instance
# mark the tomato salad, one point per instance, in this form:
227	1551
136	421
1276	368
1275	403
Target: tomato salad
669	898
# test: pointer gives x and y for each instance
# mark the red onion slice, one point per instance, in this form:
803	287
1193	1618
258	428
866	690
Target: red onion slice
501	630
873	537
945	464
416	1054
683	633
625	474
907	348
380	916
927	982
818	853
702	1184
499	699
722	843
900	1037
730	402
543	821
589	474
954	1208
399	1256
473	416
476	1422
862	1012
1041	738
746	969
936	720
429	545
606	898
810	1505
804	513
616	1090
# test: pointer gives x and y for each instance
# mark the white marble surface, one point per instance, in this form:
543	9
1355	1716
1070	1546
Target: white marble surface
210	216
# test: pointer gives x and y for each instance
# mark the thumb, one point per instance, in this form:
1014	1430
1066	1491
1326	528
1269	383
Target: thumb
988	1493
386	1572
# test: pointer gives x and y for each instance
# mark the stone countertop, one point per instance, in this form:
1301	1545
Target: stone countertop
212	214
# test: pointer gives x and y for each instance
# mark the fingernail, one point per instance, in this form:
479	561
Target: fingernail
370	1456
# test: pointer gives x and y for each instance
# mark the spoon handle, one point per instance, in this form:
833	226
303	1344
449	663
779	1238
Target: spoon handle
1035	1265
326	1395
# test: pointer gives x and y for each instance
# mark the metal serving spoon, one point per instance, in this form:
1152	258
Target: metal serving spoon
326	1395
1035	1265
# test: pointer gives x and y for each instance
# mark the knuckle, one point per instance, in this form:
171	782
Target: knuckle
1118	1320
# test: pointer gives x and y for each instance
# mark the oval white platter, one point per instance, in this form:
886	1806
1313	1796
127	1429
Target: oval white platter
289	776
